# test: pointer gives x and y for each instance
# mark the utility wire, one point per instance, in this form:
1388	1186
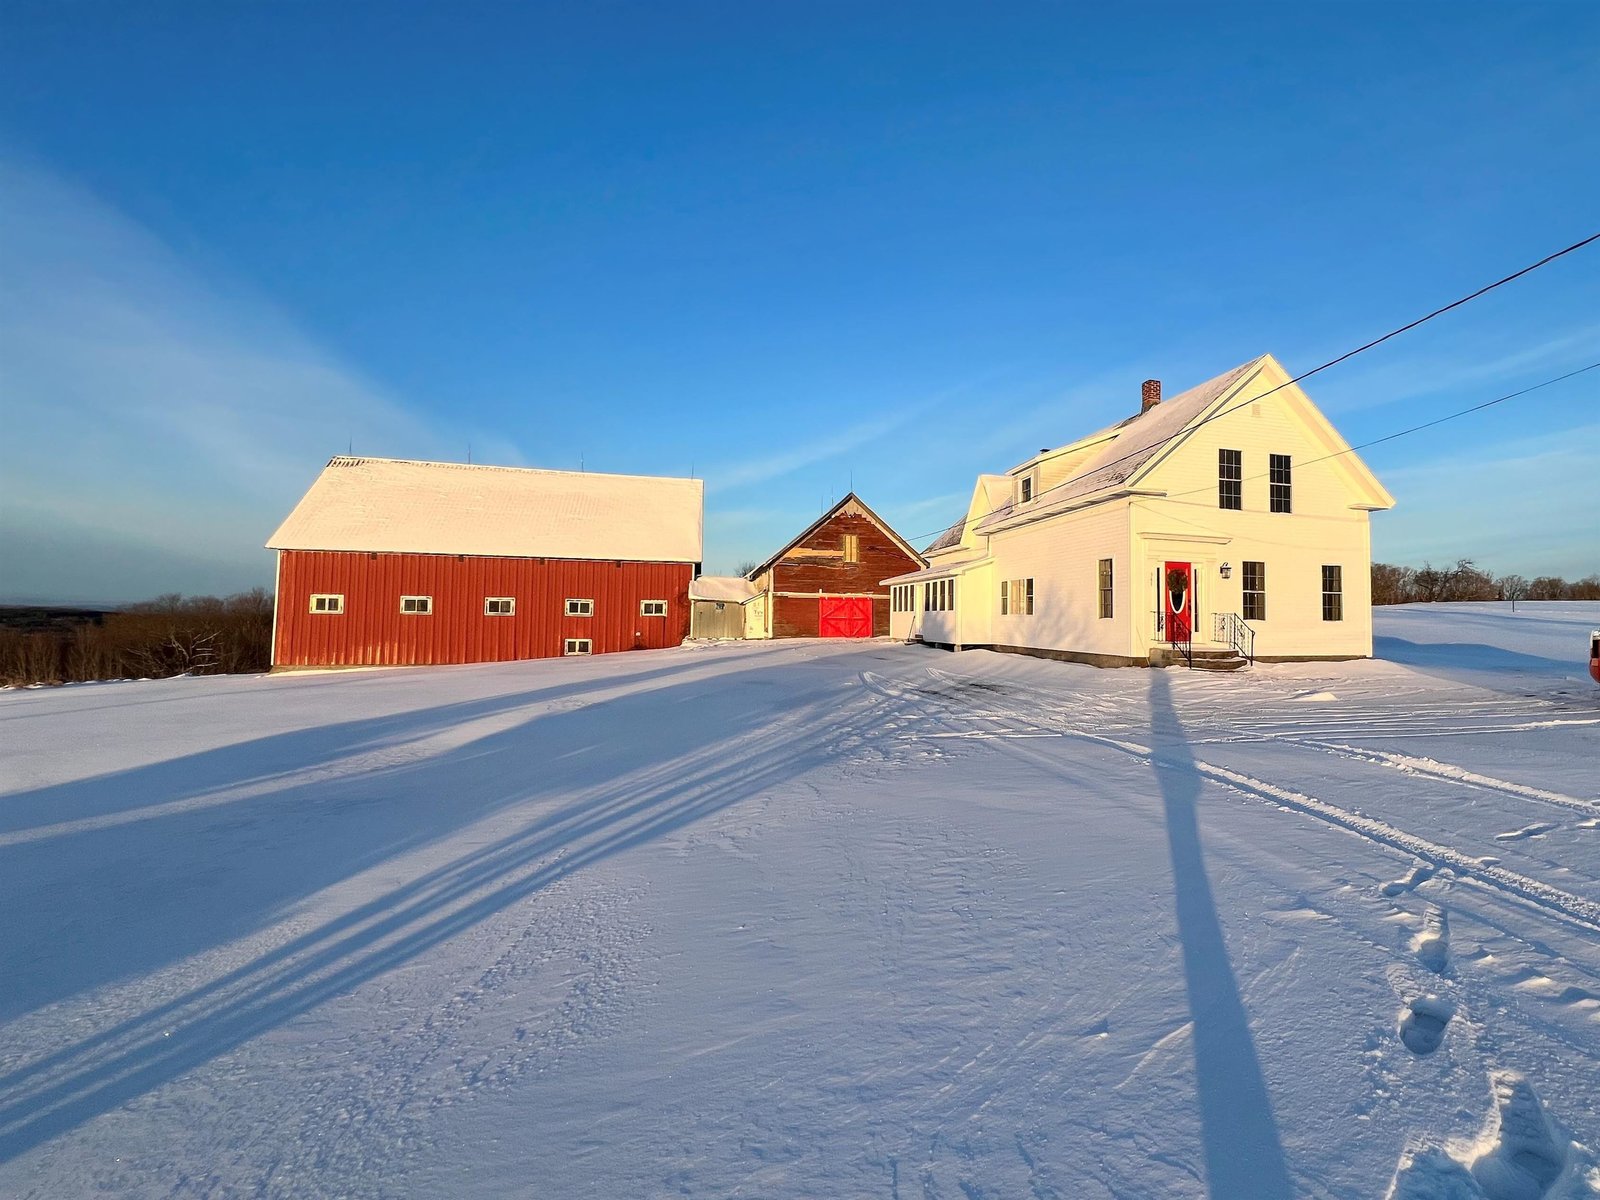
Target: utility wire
1332	362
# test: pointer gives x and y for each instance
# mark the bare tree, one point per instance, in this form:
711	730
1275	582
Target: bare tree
1513	588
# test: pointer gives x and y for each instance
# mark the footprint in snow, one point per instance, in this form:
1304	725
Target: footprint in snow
1527	1155
1432	945
1423	1024
1420	874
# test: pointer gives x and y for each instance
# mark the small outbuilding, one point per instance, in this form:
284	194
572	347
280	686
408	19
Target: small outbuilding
827	581
392	562
725	607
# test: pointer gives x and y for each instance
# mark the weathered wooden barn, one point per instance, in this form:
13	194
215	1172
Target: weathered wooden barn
388	562
827	581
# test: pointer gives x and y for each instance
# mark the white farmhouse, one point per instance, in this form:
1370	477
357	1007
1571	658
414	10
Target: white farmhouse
1229	522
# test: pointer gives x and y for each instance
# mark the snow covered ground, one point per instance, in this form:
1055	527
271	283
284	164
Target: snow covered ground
814	919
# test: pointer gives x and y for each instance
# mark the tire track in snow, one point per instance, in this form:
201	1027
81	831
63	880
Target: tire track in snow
1545	896
1450	773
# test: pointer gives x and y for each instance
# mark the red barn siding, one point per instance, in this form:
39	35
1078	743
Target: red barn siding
814	566
372	631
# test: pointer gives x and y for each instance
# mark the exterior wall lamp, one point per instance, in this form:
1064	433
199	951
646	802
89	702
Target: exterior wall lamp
1226	570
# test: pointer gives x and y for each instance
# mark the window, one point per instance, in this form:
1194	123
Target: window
1026	491
499	606
578	646
580	608
1278	482
1333	593
939	595
902	597
327	602
852	547
1016	597
1230	479
420	605
1255	591
1105	585
652	608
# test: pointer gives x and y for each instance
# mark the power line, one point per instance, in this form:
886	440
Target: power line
1332	362
1389	437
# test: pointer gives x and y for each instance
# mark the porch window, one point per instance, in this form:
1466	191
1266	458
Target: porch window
1105	588
1278	481
939	595
1230	479
1333	593
1255	591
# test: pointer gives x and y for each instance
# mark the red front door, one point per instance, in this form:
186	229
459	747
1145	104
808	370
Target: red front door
844	616
1177	580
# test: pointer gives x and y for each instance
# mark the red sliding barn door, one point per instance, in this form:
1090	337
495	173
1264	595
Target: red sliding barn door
844	616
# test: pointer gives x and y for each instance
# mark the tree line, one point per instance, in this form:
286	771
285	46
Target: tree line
156	639
1466	581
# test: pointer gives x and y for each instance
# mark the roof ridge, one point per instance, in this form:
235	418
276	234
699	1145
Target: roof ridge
345	460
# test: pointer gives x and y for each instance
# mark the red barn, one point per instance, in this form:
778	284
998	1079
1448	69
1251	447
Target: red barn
826	583
389	562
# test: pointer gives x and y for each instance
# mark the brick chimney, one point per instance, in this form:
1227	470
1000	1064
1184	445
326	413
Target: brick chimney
1152	395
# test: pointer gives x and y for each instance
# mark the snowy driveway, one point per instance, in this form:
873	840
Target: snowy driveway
796	919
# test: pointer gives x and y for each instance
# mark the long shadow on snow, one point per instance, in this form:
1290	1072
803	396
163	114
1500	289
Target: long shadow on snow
1474	656
1244	1156
112	1067
89	908
266	758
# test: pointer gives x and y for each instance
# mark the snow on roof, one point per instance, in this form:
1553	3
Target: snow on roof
730	589
404	506
1137	441
950	537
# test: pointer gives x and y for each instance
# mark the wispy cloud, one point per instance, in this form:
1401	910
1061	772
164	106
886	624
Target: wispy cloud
147	400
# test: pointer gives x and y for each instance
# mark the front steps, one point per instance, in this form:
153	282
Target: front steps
1206	658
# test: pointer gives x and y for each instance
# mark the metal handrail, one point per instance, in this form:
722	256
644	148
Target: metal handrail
1230	628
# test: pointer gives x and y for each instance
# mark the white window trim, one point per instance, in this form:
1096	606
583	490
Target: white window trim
335	610
571	612
568	644
425	611
644	610
510	601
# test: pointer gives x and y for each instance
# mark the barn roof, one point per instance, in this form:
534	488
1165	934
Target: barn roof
851	499
406	506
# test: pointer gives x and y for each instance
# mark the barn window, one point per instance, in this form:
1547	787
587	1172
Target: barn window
420	605
1230	479
1106	595
1255	591
580	608
499	606
1278	479
852	547
1333	593
578	646
652	608
327	602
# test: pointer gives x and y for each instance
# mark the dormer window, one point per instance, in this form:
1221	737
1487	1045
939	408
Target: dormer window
1027	488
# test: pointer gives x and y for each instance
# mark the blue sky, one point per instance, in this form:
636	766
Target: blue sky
785	247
